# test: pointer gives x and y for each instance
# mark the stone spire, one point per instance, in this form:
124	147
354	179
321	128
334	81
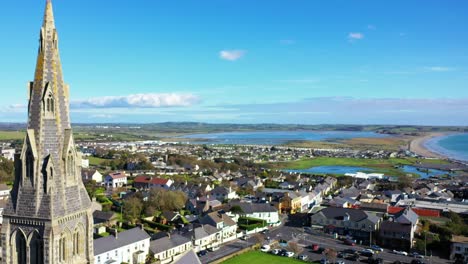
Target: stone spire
48	218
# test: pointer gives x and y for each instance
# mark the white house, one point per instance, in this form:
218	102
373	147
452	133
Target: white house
131	246
117	179
260	211
225	225
224	193
85	163
165	249
8	153
4	191
91	175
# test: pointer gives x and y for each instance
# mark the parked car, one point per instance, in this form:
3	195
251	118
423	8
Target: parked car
398	252
275	251
264	231
324	261
202	253
353	257
367	252
214	248
265	248
340	261
314	247
303	257
417	255
376	248
245	237
417	261
350	251
282	252
349	242
289	254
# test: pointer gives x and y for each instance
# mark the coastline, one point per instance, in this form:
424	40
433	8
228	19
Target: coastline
418	145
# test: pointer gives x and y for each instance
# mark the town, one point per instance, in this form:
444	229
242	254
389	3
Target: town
168	202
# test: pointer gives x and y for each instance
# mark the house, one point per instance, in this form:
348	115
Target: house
223	223
8	153
202	205
105	218
260	211
203	236
357	223
459	248
146	182
91	175
130	246
398	230
224	193
166	248
115	180
169	217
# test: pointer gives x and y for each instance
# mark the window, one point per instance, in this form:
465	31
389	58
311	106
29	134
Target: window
99	259
458	248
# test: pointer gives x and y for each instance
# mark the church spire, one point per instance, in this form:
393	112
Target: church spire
49	15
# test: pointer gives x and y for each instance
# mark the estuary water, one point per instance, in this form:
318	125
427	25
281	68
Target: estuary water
454	146
276	137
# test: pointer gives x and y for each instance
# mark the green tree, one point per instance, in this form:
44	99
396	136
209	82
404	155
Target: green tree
132	209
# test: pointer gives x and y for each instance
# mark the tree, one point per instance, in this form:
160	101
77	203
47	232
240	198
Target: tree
331	254
236	209
132	209
294	247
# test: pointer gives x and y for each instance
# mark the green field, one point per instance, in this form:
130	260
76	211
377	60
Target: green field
387	166
95	161
11	135
260	258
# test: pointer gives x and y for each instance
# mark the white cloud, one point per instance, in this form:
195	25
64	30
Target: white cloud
439	69
355	36
150	100
287	41
231	55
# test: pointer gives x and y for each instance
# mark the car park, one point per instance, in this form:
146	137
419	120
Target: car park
340	261
303	257
289	254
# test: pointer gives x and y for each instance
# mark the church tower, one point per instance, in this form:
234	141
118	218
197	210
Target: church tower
48	218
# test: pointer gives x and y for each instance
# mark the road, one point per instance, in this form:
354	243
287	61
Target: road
307	239
226	249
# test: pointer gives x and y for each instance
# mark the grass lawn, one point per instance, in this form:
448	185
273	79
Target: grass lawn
11	135
386	166
258	257
95	161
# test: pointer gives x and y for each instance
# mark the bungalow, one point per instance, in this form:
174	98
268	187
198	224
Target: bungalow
166	248
146	182
115	180
131	246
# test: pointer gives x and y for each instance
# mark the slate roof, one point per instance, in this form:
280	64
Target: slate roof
355	215
407	216
250	208
106	244
218	217
147	179
388	226
100	216
188	257
166	243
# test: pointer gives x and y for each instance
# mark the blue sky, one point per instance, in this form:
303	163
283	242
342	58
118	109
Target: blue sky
239	61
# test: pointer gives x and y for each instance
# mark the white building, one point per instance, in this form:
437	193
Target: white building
91	175
459	248
131	246
117	179
260	211
362	175
8	153
167	248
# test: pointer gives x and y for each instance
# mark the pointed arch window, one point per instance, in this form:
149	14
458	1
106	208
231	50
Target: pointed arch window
71	164
29	165
50	104
62	249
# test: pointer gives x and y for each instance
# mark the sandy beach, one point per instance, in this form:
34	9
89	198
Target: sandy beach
417	145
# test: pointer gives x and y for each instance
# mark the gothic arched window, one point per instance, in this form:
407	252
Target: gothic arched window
29	164
20	248
62	249
36	249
